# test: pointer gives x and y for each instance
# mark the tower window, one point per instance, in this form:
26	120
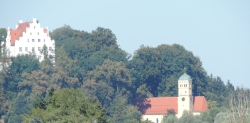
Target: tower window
33	49
38	40
20	49
26	48
33	40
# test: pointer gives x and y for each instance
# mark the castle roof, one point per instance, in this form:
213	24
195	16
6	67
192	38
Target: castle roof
15	34
18	32
185	77
160	105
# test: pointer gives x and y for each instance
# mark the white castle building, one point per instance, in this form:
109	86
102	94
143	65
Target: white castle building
29	37
155	108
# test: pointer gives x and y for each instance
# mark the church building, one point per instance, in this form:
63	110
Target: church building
155	108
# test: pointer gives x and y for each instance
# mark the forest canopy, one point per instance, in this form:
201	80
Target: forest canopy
93	79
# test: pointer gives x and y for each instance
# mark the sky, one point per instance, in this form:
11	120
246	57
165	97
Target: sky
216	31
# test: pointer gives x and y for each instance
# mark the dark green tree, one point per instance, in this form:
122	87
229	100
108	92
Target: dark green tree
19	65
160	68
69	105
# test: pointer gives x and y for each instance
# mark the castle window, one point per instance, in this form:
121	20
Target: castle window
38	40
50	48
20	49
26	48
28	40
33	40
30	33
44	40
39	48
34	27
33	49
156	120
38	33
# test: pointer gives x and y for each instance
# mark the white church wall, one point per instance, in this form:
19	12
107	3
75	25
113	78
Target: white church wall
196	113
153	118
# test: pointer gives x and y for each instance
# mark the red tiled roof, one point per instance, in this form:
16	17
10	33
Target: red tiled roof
160	105
157	105
15	34
200	104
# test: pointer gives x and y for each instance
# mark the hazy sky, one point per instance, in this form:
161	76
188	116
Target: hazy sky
217	31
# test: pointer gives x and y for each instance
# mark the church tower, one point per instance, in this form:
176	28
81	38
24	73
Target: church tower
185	98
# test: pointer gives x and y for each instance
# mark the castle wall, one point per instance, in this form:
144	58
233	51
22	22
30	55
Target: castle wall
32	40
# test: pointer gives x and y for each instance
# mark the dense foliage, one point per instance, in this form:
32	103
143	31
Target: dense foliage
93	79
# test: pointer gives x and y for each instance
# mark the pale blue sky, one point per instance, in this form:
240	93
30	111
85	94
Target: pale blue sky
217	31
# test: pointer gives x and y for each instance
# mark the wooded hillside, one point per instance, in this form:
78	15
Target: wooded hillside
103	80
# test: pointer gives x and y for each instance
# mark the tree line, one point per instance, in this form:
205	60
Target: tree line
94	80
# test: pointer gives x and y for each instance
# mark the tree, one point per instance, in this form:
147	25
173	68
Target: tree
3	35
239	105
159	69
115	74
170	119
69	105
188	117
121	111
103	37
222	117
20	64
38	82
36	120
68	65
20	105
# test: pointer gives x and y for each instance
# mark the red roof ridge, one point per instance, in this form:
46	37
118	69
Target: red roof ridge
18	32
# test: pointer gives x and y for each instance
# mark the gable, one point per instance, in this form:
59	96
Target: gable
15	34
200	104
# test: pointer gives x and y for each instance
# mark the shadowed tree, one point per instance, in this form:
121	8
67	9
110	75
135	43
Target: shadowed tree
69	105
